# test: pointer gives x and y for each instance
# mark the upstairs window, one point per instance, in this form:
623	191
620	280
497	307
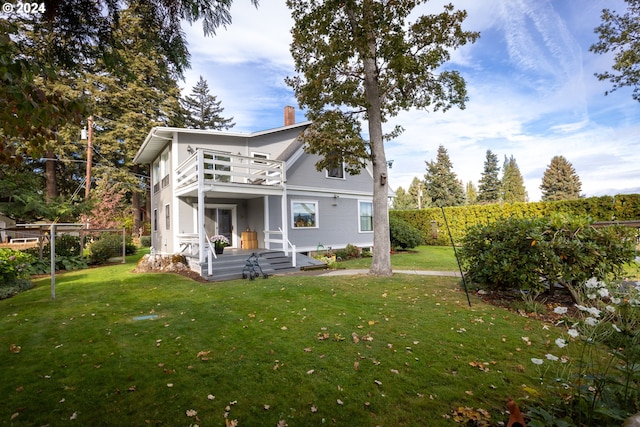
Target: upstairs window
164	168
337	172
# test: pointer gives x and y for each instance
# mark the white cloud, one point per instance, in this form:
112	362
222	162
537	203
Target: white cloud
532	93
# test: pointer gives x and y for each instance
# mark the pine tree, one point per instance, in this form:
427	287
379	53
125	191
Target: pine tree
442	187
560	181
402	200
513	189
125	109
203	110
489	186
471	194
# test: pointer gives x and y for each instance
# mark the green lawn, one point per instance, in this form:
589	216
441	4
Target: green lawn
309	350
439	258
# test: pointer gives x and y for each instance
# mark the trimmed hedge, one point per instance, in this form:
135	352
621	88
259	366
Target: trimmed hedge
622	207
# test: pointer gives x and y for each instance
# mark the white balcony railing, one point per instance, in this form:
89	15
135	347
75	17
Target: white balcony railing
223	168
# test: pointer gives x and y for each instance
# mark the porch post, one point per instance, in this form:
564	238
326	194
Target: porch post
200	228
267	236
284	224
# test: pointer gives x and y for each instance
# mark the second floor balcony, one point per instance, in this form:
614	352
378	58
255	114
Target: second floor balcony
225	172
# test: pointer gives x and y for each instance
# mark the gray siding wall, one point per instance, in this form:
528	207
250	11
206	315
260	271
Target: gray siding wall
338	223
303	173
162	238
271	144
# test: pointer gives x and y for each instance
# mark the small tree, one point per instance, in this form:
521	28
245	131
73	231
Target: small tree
560	181
513	189
489	187
441	183
203	109
402	200
470	194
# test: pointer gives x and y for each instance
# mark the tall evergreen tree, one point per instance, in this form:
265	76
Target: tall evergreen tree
203	110
560	181
125	109
442	187
471	194
513	189
489	185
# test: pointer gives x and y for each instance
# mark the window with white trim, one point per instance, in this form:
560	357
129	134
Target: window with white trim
365	215
337	172
167	217
165	168
304	214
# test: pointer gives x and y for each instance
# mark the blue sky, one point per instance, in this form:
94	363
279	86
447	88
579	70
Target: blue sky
530	78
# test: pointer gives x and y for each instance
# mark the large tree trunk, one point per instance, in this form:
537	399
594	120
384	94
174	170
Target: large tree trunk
50	176
381	262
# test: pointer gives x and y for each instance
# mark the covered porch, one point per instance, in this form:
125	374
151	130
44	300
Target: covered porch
239	197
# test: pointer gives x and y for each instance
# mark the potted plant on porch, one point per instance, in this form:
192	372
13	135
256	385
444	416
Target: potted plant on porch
219	243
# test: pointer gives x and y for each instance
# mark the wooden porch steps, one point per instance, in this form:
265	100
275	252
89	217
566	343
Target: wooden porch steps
229	265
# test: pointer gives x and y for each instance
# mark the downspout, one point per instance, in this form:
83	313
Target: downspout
285	224
267	235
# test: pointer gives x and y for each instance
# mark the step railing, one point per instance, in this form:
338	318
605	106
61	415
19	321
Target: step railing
283	241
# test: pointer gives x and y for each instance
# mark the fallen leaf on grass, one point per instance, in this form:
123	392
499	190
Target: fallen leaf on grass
203	355
191	413
308	350
339	402
314	409
15	348
310	371
469	392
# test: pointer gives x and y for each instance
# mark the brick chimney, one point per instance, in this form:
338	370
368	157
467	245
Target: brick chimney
289	115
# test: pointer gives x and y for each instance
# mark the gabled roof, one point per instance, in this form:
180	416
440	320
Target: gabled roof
159	136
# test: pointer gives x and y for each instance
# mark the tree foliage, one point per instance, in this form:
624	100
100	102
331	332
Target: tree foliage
203	110
80	34
620	34
363	59
560	181
470	194
442	187
513	189
489	186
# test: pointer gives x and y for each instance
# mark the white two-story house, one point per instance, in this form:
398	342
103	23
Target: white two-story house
208	182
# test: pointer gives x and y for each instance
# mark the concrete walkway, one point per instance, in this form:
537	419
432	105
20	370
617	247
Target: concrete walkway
416	272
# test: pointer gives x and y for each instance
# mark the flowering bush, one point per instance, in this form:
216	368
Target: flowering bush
601	387
14	272
219	240
14	265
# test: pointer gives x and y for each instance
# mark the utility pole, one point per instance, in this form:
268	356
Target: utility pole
89	156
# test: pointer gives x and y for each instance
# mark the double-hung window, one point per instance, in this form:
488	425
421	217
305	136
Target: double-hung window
365	215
